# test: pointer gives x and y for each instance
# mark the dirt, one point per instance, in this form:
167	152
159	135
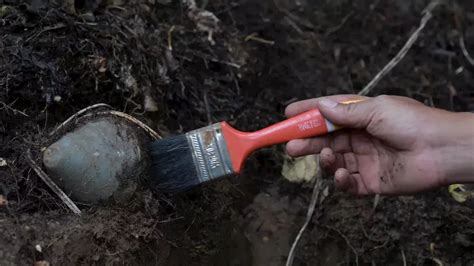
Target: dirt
57	58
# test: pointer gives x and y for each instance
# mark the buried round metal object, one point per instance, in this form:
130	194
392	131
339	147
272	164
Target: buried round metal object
100	161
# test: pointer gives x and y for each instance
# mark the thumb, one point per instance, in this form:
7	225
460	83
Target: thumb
352	115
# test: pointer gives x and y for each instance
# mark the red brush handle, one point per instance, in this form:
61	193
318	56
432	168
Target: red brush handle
241	144
305	125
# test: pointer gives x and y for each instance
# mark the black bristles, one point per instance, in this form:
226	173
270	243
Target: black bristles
172	168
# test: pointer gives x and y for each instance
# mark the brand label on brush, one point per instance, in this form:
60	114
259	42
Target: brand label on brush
212	156
307	125
309	121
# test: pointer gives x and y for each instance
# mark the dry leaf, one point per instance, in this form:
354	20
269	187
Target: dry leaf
460	193
303	169
376	201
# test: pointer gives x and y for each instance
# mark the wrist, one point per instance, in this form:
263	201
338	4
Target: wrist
456	155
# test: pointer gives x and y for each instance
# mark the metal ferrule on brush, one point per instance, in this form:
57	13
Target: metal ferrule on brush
210	154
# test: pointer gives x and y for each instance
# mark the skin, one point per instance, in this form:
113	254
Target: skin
389	144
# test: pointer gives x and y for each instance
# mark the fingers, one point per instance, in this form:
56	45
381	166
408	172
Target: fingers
305	105
338	142
351	183
330	161
341	141
350	162
327	159
354	115
343	180
302	147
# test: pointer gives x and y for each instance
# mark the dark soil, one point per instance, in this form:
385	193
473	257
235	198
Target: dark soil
59	58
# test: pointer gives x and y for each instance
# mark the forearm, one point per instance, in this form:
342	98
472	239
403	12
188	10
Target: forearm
457	154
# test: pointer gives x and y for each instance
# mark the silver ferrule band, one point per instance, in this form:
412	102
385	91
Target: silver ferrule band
330	126
210	154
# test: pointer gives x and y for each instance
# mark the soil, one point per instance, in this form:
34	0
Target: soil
59	57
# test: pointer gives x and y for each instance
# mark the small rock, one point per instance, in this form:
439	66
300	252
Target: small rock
150	104
3	201
463	240
130	83
3	162
102	65
171	62
394	234
88	16
42	263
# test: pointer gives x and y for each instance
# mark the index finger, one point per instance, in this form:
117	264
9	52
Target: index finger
305	105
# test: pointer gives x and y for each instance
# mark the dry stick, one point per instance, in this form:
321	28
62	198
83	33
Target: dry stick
254	37
170	38
347	242
128	117
403	257
52	185
131	119
74	116
401	54
309	214
464	50
15	111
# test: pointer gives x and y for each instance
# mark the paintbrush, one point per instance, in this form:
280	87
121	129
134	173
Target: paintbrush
219	150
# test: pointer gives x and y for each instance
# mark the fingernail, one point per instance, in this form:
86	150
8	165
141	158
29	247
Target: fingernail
328	103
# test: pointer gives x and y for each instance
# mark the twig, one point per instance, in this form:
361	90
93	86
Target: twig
294	25
77	116
74	116
383	244
293	19
206	106
45	29
464	50
210	58
9	107
338	27
347	242
170	38
130	118
309	214
403	257
401	54
254	37
170	220
52	185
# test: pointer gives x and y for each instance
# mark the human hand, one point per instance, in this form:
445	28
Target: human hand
391	144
